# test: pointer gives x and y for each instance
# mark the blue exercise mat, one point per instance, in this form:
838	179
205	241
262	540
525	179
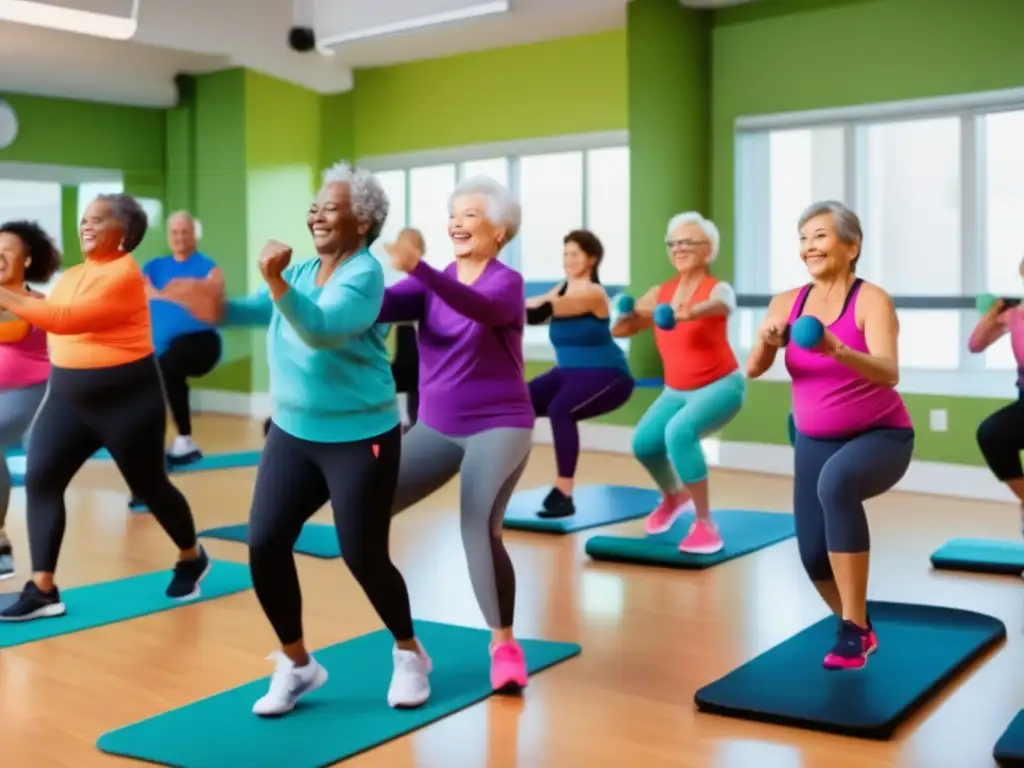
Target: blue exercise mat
109	602
742	531
921	648
980	556
315	539
1009	750
347	716
596	505
229	460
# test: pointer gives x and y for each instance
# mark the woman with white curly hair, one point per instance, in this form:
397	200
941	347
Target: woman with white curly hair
476	417
335	433
704	387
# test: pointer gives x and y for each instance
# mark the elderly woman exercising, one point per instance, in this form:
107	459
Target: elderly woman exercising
476	418
335	433
704	388
104	392
854	437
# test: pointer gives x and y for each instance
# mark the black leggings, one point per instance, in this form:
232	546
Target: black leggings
406	369
297	477
1001	439
188	356
832	479
120	409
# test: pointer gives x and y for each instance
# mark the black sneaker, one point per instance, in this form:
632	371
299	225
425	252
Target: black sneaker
33	603
137	505
6	561
557	504
187	576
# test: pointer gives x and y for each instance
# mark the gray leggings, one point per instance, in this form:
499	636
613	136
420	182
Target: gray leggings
832	480
17	409
489	465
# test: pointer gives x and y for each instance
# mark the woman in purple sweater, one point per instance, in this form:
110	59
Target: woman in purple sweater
475	417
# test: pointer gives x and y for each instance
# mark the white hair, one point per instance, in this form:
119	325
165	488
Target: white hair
369	200
502	207
707	226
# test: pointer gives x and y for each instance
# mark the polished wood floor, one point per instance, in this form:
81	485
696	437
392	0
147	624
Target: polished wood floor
650	637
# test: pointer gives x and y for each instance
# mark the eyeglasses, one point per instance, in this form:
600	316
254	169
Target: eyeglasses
686	245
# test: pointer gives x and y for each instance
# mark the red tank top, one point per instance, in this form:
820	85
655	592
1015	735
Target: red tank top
695	353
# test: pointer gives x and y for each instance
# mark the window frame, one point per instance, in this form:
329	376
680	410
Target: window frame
973	377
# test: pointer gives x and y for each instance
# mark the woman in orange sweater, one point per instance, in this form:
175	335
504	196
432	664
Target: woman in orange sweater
104	391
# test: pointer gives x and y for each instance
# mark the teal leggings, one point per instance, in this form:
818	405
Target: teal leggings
667	439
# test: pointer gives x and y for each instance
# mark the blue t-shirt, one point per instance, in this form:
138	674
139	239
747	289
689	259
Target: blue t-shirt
330	372
172	320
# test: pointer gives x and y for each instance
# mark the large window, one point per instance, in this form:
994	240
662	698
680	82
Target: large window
37	201
558	190
938	194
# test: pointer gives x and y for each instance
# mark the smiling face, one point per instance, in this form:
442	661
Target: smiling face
331	223
99	232
471	229
13	260
821	249
689	249
576	262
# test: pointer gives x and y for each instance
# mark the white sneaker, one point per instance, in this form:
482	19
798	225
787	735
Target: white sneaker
288	684
183	447
410	682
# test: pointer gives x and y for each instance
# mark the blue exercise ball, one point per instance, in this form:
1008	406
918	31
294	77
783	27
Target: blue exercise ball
807	332
665	317
626	303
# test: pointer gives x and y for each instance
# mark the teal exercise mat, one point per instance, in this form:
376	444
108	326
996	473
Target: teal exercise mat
980	556
347	716
596	505
921	649
227	460
315	540
1009	750
109	602
742	531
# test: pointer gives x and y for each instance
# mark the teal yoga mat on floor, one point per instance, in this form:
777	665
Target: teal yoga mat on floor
921	649
227	460
743	532
596	505
315	540
347	716
1009	750
980	556
109	602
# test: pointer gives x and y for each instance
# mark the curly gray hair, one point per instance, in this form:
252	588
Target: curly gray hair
131	217
847	223
369	200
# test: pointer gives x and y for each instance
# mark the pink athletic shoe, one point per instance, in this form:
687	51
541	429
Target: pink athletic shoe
508	668
667	512
853	646
703	538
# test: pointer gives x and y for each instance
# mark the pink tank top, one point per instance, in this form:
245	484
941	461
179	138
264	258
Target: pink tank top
26	362
831	400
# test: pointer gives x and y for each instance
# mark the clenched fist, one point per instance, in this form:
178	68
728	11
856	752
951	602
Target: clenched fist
405	254
274	258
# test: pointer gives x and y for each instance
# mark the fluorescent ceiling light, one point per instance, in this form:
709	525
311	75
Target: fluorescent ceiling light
472	12
70	19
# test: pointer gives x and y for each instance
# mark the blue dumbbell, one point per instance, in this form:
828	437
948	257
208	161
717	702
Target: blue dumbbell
807	332
626	304
665	317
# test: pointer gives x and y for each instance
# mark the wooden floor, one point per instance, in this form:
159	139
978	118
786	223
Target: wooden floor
650	637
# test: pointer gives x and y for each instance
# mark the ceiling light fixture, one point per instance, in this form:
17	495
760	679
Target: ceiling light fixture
432	20
70	19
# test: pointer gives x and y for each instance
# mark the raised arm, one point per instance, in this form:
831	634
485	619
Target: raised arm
880	364
771	334
346	307
640	319
990	328
721	301
256	309
404	302
101	303
496	303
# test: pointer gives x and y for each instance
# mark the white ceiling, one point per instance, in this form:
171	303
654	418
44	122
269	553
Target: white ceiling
204	35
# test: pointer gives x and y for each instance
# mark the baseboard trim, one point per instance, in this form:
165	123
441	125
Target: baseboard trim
932	477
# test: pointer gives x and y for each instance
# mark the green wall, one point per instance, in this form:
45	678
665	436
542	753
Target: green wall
777	57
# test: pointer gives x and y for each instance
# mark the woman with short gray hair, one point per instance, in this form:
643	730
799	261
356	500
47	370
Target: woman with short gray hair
335	433
104	391
476	417
854	437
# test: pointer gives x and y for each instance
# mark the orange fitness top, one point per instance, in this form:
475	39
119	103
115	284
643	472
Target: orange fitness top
695	353
97	315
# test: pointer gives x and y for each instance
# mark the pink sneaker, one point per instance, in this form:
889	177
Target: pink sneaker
666	513
702	539
508	667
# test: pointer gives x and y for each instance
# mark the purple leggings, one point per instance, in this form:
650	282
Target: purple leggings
567	396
